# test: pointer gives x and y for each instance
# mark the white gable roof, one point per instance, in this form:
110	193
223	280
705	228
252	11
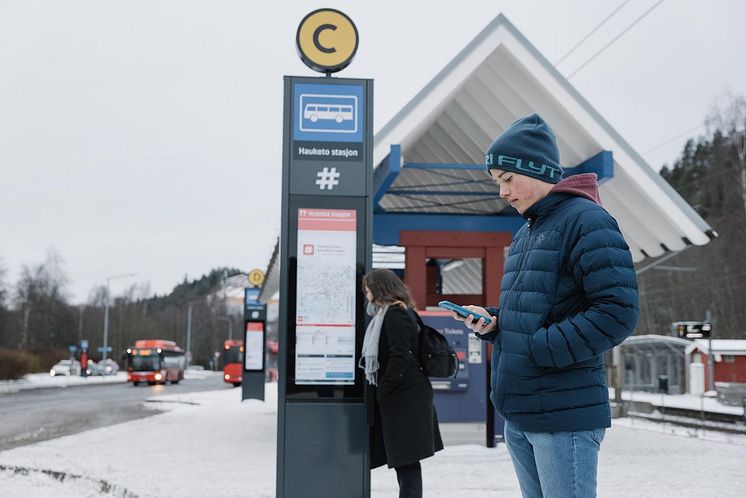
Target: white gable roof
500	77
722	346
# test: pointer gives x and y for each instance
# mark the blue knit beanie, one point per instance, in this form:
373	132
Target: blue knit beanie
528	148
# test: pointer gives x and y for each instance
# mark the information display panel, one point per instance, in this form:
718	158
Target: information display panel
325	283
254	346
325	315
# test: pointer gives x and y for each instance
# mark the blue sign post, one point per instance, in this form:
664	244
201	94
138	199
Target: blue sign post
83	357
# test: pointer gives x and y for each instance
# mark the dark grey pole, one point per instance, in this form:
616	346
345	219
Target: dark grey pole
106	319
710	352
189	336
322	430
253	377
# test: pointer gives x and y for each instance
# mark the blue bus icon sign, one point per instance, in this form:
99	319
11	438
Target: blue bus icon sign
328	113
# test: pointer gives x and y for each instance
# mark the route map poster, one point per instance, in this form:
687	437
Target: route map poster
325	313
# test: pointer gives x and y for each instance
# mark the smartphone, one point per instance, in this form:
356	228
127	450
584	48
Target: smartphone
463	311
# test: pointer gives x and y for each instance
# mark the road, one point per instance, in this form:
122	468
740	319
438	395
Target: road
37	415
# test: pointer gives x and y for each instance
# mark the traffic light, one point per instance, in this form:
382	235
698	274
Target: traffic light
693	330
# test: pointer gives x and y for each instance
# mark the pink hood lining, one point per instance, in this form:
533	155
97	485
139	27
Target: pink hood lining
582	185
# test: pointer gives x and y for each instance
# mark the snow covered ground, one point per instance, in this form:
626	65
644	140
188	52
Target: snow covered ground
211	444
687	401
44	380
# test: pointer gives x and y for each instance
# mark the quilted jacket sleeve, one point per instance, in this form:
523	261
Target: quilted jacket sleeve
602	264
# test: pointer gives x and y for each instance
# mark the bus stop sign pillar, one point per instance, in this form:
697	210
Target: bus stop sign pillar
254	369
322	430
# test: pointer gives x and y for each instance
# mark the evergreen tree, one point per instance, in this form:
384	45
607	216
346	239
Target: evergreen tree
708	176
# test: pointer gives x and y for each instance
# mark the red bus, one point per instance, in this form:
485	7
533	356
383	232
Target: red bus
155	361
233	362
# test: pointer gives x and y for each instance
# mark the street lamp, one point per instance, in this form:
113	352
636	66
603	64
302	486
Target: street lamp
106	318
189	336
189	332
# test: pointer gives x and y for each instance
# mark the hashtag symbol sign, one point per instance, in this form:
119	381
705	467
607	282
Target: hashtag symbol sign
328	178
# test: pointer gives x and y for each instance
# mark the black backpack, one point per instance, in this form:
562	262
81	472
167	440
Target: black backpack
437	357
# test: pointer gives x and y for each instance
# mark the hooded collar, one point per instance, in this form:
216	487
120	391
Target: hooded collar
583	185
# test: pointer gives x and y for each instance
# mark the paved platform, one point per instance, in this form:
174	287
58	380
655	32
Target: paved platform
211	444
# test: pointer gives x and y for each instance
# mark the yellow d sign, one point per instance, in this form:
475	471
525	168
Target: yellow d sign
326	40
256	277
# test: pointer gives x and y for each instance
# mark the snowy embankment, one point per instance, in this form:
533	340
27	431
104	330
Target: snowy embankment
211	444
46	381
682	401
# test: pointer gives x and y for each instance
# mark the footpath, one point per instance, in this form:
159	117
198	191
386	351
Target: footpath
212	444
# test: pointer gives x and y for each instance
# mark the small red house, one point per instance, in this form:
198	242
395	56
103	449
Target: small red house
729	355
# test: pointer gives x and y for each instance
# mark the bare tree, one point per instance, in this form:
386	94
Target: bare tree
97	296
40	300
3	289
4	316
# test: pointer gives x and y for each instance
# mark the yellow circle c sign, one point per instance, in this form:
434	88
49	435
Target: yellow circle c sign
256	277
326	40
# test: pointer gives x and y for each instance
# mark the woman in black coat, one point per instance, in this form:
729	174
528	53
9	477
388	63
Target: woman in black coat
404	424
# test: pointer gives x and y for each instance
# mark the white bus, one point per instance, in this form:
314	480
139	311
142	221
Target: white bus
335	112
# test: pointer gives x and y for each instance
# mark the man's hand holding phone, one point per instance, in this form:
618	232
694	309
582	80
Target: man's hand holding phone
482	325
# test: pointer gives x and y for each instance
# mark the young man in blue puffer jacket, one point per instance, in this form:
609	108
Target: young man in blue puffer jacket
568	295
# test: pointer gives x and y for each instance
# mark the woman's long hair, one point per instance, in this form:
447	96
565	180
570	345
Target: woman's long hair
386	287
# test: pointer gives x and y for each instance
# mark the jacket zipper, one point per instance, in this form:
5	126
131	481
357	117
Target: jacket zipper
520	274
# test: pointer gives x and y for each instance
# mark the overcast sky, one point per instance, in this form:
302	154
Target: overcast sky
145	136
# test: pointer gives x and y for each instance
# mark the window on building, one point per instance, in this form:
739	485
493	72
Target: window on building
729	358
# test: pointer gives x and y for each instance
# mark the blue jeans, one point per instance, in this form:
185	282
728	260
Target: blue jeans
555	464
